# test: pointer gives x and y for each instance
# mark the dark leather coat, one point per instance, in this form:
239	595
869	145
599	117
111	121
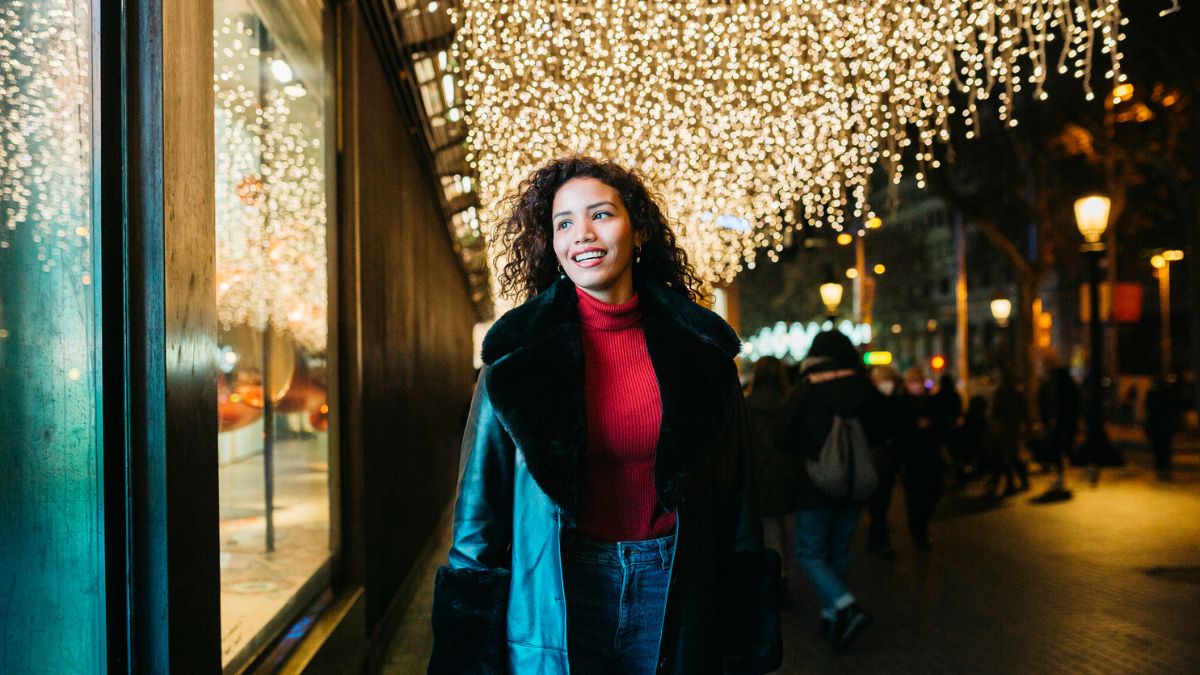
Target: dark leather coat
499	604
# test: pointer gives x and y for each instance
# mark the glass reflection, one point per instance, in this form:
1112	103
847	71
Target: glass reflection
272	276
51	532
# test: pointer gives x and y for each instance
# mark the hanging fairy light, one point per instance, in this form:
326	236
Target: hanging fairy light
270	194
45	134
772	112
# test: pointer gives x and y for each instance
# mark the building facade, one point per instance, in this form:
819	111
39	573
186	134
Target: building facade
239	274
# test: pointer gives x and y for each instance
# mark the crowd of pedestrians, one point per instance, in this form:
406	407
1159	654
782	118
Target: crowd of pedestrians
913	433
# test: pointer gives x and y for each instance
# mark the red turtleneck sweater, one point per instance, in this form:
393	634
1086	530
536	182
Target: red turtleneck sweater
624	412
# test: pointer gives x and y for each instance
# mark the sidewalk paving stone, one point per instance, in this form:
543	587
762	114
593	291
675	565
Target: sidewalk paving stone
1105	582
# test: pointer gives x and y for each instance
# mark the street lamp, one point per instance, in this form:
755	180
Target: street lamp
1162	263
1091	216
831	296
1001	310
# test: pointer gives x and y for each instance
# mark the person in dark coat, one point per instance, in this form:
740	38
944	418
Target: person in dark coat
891	386
969	456
1162	421
604	519
950	406
1058	405
832	382
919	432
1007	428
773	466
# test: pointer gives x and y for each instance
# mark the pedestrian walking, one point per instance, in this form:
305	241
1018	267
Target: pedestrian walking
603	520
833	387
969	452
1058	405
1162	421
919	431
949	404
773	466
1007	429
890	386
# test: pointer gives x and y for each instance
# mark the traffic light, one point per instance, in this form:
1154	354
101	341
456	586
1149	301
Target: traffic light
937	362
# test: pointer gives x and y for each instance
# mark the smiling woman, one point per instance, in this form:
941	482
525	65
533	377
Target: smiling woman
603	498
563	192
593	239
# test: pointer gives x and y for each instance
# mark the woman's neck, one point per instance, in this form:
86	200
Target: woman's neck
595	313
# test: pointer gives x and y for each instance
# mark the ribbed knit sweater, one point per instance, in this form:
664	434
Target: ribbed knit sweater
624	412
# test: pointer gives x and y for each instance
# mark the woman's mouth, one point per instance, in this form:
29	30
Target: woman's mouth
589	258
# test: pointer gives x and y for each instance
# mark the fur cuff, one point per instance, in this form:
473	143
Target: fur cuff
470	609
756	639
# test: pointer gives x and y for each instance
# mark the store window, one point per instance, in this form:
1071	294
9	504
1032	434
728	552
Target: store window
51	518
272	304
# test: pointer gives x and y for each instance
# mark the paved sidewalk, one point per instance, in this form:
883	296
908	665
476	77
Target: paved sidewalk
1107	582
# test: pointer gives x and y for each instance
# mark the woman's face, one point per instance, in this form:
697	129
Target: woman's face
594	239
915	387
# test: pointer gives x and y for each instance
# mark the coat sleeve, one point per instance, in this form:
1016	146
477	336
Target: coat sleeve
470	598
755	642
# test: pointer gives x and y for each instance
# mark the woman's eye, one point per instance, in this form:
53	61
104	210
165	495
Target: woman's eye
563	224
600	214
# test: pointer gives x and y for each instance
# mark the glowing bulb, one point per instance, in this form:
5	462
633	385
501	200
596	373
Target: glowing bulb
282	71
775	128
1091	215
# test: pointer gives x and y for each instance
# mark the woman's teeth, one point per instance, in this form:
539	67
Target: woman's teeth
590	255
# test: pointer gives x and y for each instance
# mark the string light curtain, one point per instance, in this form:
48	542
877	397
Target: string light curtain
45	134
270	195
754	117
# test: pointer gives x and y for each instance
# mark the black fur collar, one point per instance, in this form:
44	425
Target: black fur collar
535	382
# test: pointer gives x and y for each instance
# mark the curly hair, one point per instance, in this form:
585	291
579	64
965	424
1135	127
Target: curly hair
526	240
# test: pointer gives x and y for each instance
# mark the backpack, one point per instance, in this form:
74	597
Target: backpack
845	468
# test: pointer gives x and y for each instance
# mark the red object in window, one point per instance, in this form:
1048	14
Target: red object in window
1127	302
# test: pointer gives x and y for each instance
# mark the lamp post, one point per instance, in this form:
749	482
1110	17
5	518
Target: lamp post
1001	311
831	296
1091	216
1162	263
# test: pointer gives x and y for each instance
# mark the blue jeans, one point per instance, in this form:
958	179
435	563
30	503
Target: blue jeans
616	597
823	552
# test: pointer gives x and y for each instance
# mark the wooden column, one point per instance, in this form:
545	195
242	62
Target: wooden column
171	331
